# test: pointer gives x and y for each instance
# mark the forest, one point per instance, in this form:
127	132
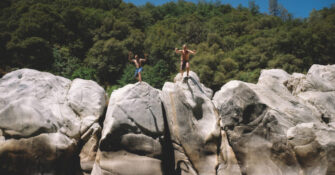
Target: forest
90	39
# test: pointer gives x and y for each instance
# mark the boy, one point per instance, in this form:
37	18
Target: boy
184	59
138	63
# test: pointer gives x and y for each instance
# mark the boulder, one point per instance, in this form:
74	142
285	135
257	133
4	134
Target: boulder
314	147
43	119
131	140
284	124
317	87
194	125
263	122
89	149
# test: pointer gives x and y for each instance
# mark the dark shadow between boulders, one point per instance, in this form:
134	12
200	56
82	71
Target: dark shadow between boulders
168	157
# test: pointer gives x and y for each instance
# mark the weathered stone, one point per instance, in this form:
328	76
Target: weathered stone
318	89
319	78
227	161
2	138
86	98
258	119
90	148
284	124
133	127
53	153
322	78
194	126
125	163
314	147
36	120
43	118
324	102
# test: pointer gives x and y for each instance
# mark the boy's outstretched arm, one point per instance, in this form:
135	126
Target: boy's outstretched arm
145	58
177	51
192	51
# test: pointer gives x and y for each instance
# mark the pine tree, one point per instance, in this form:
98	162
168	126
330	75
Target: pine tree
274	7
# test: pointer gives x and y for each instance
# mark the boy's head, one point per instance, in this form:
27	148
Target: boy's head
136	56
184	46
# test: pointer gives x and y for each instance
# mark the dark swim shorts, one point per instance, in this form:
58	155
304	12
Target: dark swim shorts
183	65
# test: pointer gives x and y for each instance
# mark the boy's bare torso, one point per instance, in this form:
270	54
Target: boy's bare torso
138	63
185	55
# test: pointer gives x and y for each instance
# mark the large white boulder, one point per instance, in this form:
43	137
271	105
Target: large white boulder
132	133
317	87
266	121
48	112
195	132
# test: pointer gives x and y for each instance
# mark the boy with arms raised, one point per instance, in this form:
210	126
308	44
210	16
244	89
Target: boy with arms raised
184	59
138	63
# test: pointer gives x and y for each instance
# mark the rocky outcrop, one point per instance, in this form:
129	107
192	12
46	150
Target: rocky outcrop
43	121
317	87
284	124
274	127
173	131
131	140
195	132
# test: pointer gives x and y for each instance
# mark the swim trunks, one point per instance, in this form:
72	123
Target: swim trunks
183	65
137	70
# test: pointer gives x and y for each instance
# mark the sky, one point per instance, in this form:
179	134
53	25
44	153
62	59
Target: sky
299	8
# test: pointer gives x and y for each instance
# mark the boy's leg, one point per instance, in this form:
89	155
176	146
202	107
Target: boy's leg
139	77
136	74
181	69
187	67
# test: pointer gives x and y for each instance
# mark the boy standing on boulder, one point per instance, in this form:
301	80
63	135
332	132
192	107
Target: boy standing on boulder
184	59
138	63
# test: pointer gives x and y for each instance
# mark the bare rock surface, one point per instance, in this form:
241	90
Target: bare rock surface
43	119
284	124
133	129
194	127
318	88
277	126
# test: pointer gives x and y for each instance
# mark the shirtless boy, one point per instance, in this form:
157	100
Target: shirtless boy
138	63
184	59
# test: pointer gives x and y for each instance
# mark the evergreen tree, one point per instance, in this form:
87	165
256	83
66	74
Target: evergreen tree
274	7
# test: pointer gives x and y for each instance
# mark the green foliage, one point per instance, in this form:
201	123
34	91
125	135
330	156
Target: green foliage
274	7
157	74
32	52
107	57
253	7
127	75
84	73
64	64
91	39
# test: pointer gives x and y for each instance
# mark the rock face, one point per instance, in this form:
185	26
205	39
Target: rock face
281	124
44	119
142	136
131	140
195	131
284	124
318	89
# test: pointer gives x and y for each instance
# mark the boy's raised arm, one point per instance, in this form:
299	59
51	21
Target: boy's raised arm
145	58
192	51
177	51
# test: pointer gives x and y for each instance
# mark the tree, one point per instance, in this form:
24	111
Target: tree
64	63
33	52
253	7
108	57
91	39
283	13
274	8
